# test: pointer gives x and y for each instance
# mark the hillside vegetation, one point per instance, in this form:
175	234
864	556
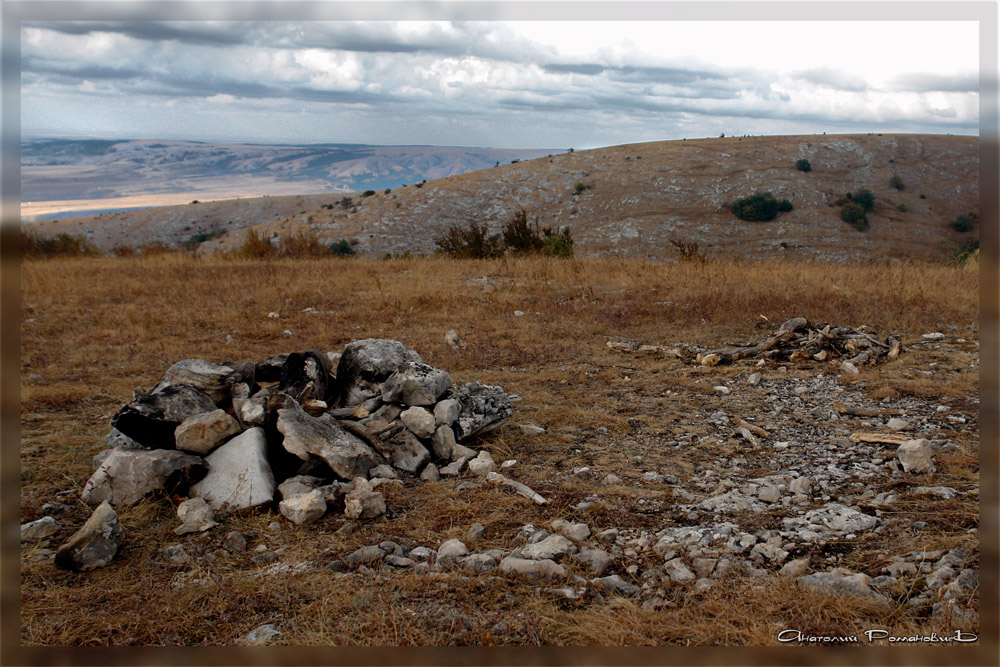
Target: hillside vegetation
634	200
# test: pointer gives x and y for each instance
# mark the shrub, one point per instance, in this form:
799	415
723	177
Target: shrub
346	202
302	244
341	248
688	250
474	242
255	247
558	244
854	214
864	198
759	207
803	165
965	223
896	182
123	251
155	248
520	237
784	206
902	208
197	239
367	193
62	245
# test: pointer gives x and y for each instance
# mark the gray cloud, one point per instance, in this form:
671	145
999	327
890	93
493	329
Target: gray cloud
923	82
833	78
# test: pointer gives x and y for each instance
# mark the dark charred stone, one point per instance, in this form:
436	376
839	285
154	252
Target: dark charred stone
151	420
482	408
269	370
305	375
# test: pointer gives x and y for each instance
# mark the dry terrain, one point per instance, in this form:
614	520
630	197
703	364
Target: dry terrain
641	447
632	201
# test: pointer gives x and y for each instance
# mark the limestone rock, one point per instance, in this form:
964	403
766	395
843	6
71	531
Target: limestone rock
795	568
553	547
251	411
678	571
202	433
454	468
482	464
452	549
577	532
840	581
833	519
365	365
95	544
152	420
419	421
533	569
521	489
269	370
207	377
482	409
304	508
405	451
615	584
415	384
34	531
347	455
595	560
446	411
262	635
363	555
235	542
297	485
125	476
916	456
478	562
239	474
430	473
362	502
195	515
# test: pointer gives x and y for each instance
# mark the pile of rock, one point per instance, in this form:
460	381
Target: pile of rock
795	340
287	428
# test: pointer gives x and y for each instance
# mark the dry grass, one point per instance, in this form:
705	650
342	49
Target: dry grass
92	330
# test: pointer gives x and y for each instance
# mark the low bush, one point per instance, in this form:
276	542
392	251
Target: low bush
896	182
863	198
558	244
965	223
255	246
803	165
472	242
341	248
60	245
854	214
760	207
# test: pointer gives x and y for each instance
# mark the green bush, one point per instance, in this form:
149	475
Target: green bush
760	207
62	245
864	198
854	214
580	187
896	182
803	165
558	244
346	202
341	248
367	193
197	239
474	242
965	223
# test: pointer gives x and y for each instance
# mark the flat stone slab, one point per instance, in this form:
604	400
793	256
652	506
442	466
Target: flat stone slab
124	476
239	474
95	544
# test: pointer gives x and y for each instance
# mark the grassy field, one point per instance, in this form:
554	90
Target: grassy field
94	329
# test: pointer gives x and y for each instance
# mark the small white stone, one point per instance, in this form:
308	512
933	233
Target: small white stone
721	390
482	464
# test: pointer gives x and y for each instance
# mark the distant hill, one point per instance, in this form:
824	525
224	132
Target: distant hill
104	174
633	200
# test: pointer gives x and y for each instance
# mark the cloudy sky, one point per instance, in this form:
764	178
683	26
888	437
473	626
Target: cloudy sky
531	84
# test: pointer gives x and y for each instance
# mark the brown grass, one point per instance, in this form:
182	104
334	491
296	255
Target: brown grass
94	329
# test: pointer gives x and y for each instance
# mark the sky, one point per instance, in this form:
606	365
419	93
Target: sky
511	84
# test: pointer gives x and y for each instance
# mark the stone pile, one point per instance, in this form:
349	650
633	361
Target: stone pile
795	340
287	428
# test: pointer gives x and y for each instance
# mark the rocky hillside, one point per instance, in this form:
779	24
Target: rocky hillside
634	199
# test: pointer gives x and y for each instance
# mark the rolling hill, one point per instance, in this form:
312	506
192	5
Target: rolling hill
629	200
